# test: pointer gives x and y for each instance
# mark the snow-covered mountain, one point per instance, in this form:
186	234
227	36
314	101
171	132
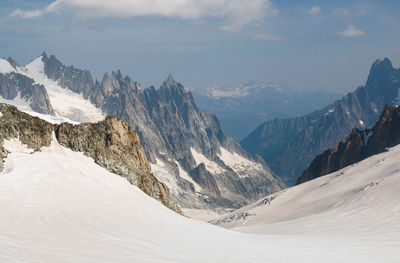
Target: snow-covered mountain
187	148
241	109
61	102
59	206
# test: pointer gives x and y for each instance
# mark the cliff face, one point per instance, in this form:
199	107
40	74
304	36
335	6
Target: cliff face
385	133
112	144
289	145
357	146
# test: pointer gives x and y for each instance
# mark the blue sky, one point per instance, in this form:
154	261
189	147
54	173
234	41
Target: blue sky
327	45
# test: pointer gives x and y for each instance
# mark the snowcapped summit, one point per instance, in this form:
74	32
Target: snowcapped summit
5	66
58	97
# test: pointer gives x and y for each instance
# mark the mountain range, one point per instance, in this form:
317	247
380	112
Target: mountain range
187	149
241	109
289	145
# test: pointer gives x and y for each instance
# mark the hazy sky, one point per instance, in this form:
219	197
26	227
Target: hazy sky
307	44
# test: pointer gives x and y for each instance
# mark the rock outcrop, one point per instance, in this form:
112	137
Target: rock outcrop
35	133
289	145
112	144
357	146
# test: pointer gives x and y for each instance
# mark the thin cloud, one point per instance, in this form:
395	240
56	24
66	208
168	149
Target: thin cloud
268	37
232	14
341	12
314	10
27	14
351	31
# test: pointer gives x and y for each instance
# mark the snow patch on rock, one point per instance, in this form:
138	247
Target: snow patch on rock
238	163
186	176
211	166
159	170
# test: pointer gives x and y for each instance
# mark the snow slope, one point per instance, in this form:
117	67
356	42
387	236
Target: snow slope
360	202
211	166
59	206
238	163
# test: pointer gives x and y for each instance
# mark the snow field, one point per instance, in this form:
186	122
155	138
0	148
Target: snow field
59	206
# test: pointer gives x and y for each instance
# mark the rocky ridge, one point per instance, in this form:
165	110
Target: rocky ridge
357	146
112	144
289	145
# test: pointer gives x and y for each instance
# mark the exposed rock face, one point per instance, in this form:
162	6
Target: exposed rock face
289	145
201	176
14	85
112	143
79	81
385	133
357	146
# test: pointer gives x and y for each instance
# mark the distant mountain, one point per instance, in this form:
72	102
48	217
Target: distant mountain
357	146
187	149
21	89
240	110
289	145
